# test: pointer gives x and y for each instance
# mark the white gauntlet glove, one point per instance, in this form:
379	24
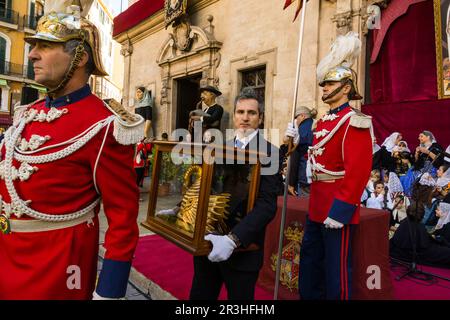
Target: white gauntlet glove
223	247
332	224
292	132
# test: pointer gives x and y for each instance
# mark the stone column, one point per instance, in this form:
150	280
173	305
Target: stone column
127	51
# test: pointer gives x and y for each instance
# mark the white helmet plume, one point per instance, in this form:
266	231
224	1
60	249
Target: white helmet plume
60	6
343	52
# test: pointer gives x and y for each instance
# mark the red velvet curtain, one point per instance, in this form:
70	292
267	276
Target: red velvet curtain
406	66
403	80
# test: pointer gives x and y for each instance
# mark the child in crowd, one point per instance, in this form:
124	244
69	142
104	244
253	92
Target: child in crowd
397	202
374	177
377	199
402	157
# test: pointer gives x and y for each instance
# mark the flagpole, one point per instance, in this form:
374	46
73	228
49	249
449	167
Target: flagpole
294	104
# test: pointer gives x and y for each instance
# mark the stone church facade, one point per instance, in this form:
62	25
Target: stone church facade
234	44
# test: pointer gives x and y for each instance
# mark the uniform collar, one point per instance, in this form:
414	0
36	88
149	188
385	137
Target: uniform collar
69	98
340	108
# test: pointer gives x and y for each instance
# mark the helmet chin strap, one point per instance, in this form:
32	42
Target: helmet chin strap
73	66
335	92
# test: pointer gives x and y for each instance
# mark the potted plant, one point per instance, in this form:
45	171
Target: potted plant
167	174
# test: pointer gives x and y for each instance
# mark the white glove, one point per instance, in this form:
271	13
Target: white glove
223	247
96	296
292	132
168	212
332	224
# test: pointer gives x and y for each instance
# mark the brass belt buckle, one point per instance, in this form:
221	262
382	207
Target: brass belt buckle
5	224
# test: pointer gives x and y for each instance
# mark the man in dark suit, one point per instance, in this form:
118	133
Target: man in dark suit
208	111
227	263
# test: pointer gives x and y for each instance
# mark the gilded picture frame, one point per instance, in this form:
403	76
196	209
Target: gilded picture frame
173	228
442	36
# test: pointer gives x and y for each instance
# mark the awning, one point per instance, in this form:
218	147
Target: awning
135	14
3	82
39	88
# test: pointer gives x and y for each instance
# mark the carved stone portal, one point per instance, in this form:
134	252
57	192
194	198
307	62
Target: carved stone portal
187	51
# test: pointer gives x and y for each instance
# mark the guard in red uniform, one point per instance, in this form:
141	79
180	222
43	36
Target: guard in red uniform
61	158
339	165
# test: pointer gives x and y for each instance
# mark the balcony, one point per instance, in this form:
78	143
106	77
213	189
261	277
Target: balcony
9	16
16	70
30	22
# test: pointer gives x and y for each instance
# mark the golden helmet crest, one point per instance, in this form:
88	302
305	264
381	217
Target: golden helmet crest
62	27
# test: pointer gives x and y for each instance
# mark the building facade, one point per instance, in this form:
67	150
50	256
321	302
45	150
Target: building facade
234	44
18	18
253	43
110	86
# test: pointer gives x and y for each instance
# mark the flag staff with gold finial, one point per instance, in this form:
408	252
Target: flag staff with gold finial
302	8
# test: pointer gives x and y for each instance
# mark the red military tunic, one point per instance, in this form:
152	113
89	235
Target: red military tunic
348	155
45	264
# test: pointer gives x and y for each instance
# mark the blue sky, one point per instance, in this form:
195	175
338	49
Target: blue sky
114	6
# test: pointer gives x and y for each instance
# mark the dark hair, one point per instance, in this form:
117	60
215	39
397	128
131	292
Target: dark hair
444	167
421	196
142	89
248	93
377	183
70	47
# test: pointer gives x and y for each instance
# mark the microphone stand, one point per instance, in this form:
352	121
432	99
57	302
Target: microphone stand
413	271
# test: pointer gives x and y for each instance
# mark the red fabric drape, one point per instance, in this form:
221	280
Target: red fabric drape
135	14
396	9
410	118
403	81
406	66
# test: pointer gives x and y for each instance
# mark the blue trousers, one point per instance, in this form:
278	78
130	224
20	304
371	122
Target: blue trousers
325	262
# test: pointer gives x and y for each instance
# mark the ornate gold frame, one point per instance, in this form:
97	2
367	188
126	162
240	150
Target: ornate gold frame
194	243
439	57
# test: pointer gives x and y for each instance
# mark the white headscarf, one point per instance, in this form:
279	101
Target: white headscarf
431	136
427	180
389	142
375	148
447	151
394	184
444	180
445	208
401	149
146	100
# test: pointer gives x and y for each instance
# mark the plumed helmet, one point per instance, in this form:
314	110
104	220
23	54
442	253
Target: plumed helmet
63	22
338	73
336	65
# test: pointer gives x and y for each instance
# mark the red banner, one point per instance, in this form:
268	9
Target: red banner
299	6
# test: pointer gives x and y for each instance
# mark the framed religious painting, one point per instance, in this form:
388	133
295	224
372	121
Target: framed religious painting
199	189
442	30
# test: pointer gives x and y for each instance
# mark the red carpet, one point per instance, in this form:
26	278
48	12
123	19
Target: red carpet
412	289
172	269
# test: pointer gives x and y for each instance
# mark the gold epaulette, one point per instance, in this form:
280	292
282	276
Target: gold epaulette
128	127
360	120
